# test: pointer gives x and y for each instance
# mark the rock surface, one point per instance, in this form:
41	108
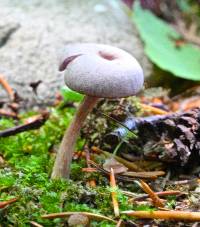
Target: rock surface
32	34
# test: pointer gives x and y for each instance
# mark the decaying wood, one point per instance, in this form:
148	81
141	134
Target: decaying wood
177	135
173	138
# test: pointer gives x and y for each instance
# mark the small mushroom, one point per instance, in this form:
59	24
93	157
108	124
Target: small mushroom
78	220
98	71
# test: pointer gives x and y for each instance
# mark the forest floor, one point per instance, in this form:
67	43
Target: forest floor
149	174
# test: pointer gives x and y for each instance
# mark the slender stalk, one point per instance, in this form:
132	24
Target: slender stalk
116	149
63	160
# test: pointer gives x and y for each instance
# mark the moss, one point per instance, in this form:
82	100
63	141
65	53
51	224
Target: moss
29	158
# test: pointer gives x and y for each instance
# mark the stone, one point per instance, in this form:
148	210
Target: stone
33	33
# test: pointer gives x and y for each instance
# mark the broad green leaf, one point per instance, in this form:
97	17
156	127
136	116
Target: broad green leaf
159	39
70	95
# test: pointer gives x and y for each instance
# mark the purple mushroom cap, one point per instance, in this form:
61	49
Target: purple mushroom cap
101	70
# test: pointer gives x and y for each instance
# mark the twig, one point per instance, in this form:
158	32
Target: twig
35	124
145	175
5	203
7	87
155	199
119	223
67	214
113	193
153	110
33	223
10	114
166	215
89	170
181	182
160	194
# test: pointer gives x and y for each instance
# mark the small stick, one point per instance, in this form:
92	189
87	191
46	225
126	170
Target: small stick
145	175
165	193
155	199
33	223
7	87
5	203
161	194
166	215
35	124
113	193
181	182
154	110
119	223
10	114
89	170
67	214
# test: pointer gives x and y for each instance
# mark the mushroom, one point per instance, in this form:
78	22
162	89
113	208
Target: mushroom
78	220
98	71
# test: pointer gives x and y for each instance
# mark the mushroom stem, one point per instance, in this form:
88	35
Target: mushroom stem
63	160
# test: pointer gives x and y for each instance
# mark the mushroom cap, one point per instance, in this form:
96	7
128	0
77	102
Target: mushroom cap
101	70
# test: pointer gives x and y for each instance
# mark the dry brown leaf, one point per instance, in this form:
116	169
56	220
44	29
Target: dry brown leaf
115	165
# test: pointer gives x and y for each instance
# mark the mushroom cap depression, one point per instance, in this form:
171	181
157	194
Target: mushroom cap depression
101	70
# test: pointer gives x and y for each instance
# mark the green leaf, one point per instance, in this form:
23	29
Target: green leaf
159	39
70	95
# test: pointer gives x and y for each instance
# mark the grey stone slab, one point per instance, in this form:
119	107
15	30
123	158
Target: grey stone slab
33	33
